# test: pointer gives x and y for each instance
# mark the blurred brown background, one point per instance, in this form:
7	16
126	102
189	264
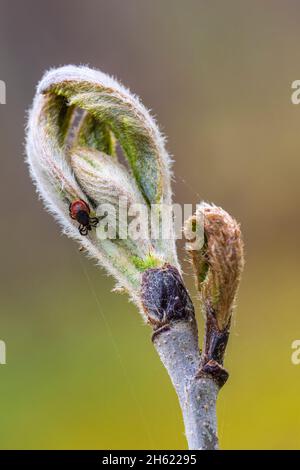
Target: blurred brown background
81	371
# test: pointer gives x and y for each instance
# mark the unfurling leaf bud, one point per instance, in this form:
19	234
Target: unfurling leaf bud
218	264
73	161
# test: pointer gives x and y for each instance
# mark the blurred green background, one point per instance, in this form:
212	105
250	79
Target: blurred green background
81	371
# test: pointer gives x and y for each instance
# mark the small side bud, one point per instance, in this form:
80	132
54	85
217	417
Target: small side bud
218	265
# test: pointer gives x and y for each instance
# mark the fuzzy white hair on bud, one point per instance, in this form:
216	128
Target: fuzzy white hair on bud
65	169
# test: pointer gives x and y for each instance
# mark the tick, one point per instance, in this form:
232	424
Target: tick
80	211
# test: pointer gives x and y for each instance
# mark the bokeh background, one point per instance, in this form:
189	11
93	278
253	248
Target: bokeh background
81	371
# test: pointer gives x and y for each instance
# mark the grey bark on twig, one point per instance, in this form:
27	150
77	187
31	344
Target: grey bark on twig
171	313
178	349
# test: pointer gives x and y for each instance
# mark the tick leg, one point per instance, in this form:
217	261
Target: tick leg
94	221
83	230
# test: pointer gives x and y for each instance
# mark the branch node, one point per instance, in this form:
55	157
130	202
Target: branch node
164	297
215	371
158	331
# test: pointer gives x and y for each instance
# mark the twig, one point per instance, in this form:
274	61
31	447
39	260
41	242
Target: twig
178	349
